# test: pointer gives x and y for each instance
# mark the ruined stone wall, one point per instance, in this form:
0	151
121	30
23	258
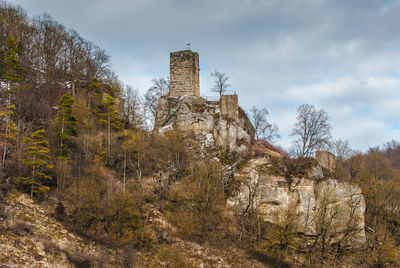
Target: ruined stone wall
229	106
184	73
326	159
194	113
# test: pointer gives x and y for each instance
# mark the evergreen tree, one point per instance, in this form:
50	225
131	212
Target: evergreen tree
10	65
66	122
37	160
106	114
95	89
10	74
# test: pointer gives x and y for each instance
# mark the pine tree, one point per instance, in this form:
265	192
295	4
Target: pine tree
10	74
37	159
106	114
67	126
10	65
94	88
66	122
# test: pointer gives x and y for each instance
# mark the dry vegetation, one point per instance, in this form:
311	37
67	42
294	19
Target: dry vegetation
153	198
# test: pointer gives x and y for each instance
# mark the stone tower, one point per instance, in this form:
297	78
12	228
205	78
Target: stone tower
184	73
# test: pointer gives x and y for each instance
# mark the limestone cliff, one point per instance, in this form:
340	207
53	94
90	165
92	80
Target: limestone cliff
275	189
271	184
193	113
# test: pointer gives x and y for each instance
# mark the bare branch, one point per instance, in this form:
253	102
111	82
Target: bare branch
263	129
221	85
312	131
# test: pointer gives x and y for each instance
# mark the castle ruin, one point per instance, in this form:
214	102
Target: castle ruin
184	73
326	160
184	81
183	108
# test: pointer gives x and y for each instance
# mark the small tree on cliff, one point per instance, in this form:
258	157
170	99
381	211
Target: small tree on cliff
37	160
159	88
220	82
263	129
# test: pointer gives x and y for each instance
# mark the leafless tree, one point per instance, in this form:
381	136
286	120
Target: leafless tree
341	148
264	130
391	150
132	107
160	88
312	131
220	82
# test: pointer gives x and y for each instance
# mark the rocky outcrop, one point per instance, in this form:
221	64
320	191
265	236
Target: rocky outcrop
193	113
316	200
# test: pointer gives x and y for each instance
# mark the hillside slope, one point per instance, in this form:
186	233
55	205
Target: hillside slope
31	237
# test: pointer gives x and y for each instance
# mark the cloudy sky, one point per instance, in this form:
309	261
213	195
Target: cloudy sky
340	55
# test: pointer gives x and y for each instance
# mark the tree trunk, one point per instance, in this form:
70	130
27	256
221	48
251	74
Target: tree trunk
109	133
3	160
33	176
19	154
124	171
139	171
62	130
4	152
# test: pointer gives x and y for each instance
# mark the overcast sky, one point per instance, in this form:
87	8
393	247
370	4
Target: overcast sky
339	55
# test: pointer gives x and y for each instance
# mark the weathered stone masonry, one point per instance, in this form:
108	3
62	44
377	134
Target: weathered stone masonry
184	109
326	159
184	73
229	106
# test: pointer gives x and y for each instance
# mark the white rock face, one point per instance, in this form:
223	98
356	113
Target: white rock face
192	113
314	200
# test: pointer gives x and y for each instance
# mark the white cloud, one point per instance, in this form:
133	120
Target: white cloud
342	56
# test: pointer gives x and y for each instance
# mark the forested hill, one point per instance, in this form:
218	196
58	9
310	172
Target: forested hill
85	182
50	61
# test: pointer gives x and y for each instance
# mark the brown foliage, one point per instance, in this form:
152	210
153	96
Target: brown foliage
379	181
261	147
171	256
198	202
